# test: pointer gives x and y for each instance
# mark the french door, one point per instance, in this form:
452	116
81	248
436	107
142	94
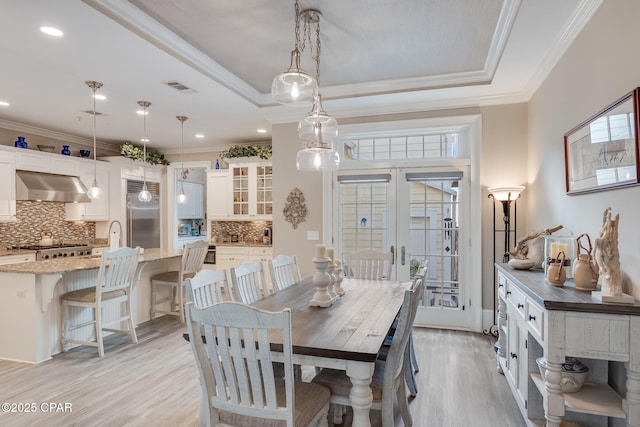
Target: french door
420	214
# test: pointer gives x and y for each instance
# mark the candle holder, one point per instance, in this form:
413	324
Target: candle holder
321	280
337	275
553	245
332	280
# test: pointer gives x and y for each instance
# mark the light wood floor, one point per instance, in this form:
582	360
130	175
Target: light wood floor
155	383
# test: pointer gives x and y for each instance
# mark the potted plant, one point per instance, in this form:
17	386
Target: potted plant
127	149
262	151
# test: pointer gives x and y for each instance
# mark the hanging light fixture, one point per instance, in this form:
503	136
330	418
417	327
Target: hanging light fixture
318	131
294	84
144	195
182	198
94	191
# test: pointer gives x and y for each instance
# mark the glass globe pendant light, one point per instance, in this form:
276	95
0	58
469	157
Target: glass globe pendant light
94	191
182	198
294	84
144	195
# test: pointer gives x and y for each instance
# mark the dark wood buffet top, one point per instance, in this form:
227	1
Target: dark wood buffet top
567	298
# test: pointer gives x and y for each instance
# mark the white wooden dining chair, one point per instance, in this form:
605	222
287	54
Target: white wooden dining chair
284	271
369	264
388	377
113	287
206	288
236	374
192	260
248	282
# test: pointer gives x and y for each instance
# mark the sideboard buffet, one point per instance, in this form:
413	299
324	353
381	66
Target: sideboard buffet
538	320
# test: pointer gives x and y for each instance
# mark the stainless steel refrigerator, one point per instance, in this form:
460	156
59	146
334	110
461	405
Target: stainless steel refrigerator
143	218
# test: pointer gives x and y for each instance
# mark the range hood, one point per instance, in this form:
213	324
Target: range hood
50	187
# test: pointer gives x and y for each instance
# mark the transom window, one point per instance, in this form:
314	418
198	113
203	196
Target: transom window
403	147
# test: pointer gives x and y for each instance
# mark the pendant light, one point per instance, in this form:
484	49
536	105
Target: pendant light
294	84
318	131
182	198
94	191
144	195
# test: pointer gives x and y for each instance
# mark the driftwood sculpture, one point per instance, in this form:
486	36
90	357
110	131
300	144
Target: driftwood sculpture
607	256
521	251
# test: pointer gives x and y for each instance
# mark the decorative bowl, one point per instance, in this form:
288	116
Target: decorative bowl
573	373
85	153
47	148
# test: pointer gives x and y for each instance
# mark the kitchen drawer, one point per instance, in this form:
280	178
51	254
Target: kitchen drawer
241	251
516	298
260	253
535	320
16	259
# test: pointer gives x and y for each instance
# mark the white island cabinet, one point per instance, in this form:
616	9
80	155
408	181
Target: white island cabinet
538	320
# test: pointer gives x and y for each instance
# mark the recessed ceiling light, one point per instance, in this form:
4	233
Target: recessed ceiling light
199	135
50	31
100	97
142	112
4	104
262	130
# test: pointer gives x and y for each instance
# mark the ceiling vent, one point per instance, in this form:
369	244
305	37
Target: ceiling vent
179	87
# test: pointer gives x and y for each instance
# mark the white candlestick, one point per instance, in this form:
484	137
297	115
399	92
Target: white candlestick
330	253
321	251
338	264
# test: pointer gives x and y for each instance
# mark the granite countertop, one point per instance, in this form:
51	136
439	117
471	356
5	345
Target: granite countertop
9	252
63	265
242	244
566	298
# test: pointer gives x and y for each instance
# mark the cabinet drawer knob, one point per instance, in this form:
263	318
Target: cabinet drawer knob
532	317
514	356
522	306
508	292
500	285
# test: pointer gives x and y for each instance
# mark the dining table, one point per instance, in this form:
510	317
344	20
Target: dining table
347	335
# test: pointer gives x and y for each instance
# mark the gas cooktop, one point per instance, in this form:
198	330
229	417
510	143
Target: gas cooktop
61	250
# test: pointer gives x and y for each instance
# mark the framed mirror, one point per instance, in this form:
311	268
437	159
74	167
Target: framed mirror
602	152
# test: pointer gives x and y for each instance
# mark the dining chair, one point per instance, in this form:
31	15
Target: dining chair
206	288
369	264
236	370
388	376
284	271
113	287
192	260
248	282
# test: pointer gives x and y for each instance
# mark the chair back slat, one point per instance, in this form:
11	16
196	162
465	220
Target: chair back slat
193	257
117	269
235	362
205	288
284	271
248	282
370	265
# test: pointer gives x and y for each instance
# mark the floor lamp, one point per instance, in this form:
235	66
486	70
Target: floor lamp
506	196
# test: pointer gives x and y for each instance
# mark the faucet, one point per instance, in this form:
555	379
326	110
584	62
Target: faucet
115	221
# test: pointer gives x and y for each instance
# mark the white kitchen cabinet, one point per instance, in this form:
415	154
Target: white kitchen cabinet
31	160
16	259
251	190
8	187
183	240
193	208
95	210
232	256
218	201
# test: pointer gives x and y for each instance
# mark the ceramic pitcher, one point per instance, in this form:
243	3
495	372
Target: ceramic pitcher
555	273
585	270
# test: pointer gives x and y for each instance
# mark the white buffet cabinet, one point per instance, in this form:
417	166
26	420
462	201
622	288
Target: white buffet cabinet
536	319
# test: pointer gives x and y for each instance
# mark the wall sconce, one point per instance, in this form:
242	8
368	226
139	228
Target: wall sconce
504	195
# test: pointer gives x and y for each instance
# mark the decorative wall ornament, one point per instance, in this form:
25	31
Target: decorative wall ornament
295	211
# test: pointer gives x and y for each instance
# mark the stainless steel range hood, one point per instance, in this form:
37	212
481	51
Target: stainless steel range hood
49	187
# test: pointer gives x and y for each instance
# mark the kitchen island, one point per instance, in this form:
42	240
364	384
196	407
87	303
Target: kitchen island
30	294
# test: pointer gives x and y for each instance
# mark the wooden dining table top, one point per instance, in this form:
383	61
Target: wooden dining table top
353	328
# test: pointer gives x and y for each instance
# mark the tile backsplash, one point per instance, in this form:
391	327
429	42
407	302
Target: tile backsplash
250	231
35	217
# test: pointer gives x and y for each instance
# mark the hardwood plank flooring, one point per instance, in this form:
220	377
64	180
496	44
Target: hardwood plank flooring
155	383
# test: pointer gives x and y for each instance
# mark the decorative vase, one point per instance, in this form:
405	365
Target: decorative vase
556	274
65	150
585	270
20	143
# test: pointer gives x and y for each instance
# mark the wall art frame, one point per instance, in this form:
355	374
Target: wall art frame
602	152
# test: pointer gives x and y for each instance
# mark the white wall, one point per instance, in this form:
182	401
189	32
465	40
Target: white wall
600	66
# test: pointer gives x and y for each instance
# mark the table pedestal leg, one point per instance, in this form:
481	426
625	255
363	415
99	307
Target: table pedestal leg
360	374
554	400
